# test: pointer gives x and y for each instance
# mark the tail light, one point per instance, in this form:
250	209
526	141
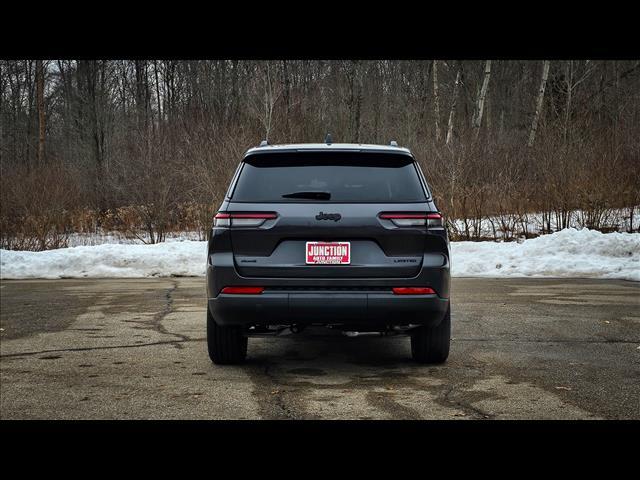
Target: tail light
223	219
431	220
435	220
243	290
413	291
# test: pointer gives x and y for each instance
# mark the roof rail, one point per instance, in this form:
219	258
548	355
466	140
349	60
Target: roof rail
393	143
264	143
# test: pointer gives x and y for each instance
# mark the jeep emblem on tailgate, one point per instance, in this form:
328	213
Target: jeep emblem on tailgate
328	216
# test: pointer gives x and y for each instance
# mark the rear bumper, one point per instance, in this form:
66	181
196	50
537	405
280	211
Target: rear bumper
368	301
369	308
221	272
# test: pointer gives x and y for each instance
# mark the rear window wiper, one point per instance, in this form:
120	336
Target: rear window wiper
309	195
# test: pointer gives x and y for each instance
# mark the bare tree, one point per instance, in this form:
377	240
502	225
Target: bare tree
436	100
573	78
452	111
264	108
354	99
157	82
477	120
40	103
536	115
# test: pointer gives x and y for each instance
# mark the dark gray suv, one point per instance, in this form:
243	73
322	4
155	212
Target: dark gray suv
340	235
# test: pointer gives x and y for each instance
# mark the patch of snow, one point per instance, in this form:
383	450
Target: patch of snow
568	253
187	258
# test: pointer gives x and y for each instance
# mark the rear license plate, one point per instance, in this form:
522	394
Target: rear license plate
328	253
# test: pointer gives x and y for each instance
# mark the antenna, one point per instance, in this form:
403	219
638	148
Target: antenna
327	139
264	143
393	143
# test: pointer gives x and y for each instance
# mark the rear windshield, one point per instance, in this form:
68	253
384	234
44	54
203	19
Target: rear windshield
334	177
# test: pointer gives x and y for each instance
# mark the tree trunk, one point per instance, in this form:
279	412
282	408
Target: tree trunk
489	108
355	100
477	120
436	100
452	112
287	100
155	70
29	91
140	71
40	106
567	107
539	103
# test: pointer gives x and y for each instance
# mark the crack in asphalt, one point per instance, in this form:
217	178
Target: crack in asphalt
270	396
158	318
465	406
278	396
105	347
386	402
445	397
155	324
156	321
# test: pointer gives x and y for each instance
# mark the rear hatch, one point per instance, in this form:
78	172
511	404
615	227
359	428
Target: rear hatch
309	199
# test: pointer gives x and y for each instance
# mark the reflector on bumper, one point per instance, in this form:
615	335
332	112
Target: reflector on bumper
243	290
413	291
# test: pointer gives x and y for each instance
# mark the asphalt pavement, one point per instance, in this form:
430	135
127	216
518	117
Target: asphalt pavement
135	349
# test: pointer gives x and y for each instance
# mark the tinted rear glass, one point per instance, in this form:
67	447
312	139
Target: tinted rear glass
329	177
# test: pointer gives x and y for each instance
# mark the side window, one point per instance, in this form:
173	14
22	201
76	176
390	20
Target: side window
232	184
423	180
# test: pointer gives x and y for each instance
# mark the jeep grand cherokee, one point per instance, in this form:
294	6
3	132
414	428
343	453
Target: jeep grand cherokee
344	236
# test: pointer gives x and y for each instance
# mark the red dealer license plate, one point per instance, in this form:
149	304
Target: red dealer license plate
328	253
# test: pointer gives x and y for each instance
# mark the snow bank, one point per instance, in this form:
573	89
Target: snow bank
186	258
568	253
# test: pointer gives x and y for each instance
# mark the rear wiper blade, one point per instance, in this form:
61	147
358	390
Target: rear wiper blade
310	195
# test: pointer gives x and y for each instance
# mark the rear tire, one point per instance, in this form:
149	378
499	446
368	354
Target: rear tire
227	344
431	344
